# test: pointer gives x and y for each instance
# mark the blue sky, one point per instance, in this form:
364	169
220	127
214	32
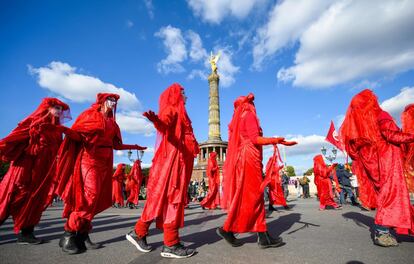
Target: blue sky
303	60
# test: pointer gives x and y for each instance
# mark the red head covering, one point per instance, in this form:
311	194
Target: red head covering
242	105
120	170
361	119
171	102
29	128
319	165
407	119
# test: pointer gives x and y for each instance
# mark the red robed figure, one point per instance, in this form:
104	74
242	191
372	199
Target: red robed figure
374	141
26	189
323	182
84	169
407	118
172	166
273	167
117	182
134	182
212	200
242	173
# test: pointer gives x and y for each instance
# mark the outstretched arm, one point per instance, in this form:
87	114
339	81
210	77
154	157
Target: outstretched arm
392	134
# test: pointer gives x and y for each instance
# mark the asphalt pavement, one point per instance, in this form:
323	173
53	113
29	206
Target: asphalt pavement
311	236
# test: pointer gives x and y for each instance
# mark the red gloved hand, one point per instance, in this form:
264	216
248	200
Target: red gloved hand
288	143
151	116
138	147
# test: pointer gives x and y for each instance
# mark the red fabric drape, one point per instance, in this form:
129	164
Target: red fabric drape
242	196
172	164
372	138
84	171
407	118
117	183
273	167
212	200
134	182
323	182
25	191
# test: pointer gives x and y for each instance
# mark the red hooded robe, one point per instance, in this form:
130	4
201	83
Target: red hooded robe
273	167
173	161
323	182
375	142
84	171
117	182
212	200
25	191
134	182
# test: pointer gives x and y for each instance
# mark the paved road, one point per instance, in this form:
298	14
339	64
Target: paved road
311	236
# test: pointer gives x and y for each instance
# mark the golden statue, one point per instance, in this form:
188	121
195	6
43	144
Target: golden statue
213	61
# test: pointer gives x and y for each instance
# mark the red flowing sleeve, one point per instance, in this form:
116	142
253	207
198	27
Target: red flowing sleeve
391	132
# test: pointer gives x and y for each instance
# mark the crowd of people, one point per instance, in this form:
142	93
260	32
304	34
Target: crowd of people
79	169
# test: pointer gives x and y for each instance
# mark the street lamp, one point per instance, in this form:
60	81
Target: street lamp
140	154
329	157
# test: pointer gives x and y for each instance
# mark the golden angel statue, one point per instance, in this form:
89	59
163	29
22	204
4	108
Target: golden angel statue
213	61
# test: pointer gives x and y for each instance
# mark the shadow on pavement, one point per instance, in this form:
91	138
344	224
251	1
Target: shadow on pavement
362	221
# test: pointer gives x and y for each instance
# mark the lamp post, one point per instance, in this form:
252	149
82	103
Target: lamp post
140	154
329	157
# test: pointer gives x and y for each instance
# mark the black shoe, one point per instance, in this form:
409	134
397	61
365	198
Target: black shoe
264	240
229	237
69	243
176	251
26	237
287	208
85	240
271	208
140	243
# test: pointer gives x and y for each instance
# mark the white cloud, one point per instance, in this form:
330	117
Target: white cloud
62	79
339	41
197	52
287	22
119	153
202	74
150	8
129	23
133	122
356	39
306	145
174	45
214	11
395	105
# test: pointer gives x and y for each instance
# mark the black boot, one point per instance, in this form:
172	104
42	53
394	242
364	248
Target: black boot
264	240
27	237
85	241
69	243
229	237
271	208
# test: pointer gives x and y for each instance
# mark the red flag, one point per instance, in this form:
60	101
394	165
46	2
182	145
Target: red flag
333	137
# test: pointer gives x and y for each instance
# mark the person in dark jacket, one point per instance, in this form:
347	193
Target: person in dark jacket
345	184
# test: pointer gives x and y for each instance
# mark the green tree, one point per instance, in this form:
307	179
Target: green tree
4	167
309	172
290	171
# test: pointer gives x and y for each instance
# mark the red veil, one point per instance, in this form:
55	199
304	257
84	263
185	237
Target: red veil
25	137
241	105
359	129
407	119
176	148
90	124
31	149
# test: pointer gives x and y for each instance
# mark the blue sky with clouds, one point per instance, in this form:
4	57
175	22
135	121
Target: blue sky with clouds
303	60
